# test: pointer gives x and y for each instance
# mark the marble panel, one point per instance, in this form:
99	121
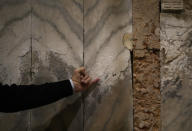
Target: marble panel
43	41
14	41
176	70
57	49
15	55
108	105
18	123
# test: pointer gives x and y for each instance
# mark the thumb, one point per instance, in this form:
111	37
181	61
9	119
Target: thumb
81	70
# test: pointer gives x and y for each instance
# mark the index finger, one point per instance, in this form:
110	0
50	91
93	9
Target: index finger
94	81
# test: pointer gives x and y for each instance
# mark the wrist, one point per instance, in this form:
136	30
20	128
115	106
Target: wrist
72	84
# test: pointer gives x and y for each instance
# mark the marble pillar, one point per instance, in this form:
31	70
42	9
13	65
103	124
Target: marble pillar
108	106
176	71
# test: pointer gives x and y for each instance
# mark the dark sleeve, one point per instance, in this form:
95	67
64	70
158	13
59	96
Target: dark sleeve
21	97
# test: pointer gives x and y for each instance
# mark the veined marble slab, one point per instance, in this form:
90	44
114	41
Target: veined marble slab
43	41
14	41
57	49
108	107
14	55
176	72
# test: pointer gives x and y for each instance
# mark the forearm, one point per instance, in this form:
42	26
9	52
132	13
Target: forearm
16	98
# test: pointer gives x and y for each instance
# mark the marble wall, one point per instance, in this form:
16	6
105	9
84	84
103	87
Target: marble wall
57	48
45	40
176	70
15	55
109	106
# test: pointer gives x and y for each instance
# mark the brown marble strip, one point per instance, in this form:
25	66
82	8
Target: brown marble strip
146	65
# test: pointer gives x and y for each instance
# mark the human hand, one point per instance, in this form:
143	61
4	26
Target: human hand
81	80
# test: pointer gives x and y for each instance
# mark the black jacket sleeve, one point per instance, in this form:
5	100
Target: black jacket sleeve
21	97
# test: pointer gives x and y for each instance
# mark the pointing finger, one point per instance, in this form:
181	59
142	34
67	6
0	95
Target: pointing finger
94	81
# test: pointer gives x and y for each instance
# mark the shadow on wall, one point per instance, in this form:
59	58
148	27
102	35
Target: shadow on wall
59	121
